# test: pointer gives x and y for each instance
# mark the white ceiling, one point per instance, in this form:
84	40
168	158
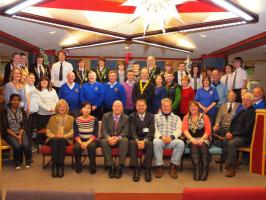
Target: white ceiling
6	50
39	36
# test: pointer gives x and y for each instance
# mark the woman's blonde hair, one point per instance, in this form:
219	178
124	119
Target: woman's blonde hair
59	103
13	71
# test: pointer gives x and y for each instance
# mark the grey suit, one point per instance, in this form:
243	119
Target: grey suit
122	130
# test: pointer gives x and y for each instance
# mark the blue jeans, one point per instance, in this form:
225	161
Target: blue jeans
178	149
19	149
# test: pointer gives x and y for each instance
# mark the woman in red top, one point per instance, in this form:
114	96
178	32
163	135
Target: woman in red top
187	95
197	129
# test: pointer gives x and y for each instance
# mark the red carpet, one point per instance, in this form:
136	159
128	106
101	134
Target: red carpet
138	196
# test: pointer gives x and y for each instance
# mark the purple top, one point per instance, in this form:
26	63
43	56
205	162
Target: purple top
129	101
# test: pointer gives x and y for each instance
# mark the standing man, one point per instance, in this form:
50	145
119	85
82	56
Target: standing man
142	129
167	130
239	78
102	71
180	73
115	130
153	70
81	73
59	71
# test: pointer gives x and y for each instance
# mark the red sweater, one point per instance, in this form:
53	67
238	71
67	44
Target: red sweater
187	95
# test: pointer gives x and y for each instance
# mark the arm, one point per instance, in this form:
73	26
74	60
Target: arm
219	115
185	128
178	129
122	94
157	132
125	131
177	98
70	134
104	125
61	93
132	128
96	129
207	125
5	125
151	133
76	132
197	98
49	132
101	96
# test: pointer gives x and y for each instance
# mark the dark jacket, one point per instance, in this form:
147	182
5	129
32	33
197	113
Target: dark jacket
136	126
81	78
7	72
34	69
101	76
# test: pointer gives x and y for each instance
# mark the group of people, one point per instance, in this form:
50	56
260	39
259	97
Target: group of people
142	111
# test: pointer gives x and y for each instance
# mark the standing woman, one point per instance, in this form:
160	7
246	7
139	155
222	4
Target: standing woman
207	97
59	134
85	133
187	95
159	94
14	86
14	123
197	129
152	68
196	77
47	100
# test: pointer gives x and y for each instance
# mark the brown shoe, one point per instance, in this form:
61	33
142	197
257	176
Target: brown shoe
173	171
158	171
230	172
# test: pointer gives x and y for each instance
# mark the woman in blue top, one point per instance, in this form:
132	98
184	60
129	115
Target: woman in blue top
159	93
207	97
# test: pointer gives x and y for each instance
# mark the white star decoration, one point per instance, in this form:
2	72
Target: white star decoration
155	10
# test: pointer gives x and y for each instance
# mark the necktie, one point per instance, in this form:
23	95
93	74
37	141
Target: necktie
226	81
61	72
230	108
41	72
80	73
116	121
235	80
195	83
142	118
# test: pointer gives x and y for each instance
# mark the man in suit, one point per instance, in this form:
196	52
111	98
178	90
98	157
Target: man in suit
39	70
240	132
15	61
142	129
224	117
180	73
115	129
81	73
259	98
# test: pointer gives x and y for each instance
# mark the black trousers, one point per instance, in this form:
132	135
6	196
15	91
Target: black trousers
42	121
32	124
122	145
91	152
199	155
58	146
148	151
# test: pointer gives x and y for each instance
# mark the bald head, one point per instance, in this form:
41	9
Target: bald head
70	77
117	107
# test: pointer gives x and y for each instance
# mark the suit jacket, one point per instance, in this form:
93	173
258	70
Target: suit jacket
153	73
81	79
101	77
108	128
243	123
34	69
136	126
7	72
224	118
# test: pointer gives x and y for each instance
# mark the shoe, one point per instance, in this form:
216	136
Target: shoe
230	172
148	175
17	167
119	171
205	173
54	171
158	171
78	168
33	149
111	173
136	174
173	171
27	166
92	168
60	171
197	173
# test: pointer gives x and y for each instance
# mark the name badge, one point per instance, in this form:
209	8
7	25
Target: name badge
145	130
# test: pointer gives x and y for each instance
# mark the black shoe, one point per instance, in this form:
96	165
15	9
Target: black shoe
54	172
197	174
119	171
78	168
148	175
111	173
93	168
60	171
205	173
136	174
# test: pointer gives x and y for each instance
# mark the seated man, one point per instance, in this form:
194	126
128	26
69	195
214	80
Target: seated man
259	98
115	128
224	117
141	124
167	131
240	131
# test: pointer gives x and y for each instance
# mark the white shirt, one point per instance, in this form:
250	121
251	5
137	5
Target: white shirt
229	82
199	82
71	86
142	116
38	70
239	78
179	76
47	101
233	105
67	67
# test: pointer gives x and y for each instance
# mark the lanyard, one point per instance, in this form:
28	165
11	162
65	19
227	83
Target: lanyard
141	86
101	73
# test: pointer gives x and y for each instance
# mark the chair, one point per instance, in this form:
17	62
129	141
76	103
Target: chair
3	146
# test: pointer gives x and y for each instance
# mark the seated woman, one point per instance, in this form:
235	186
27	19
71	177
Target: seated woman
14	122
60	134
197	129
85	132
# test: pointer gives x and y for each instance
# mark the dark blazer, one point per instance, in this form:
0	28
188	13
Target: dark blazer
136	126
81	79
153	73
7	72
243	123
34	69
107	127
101	77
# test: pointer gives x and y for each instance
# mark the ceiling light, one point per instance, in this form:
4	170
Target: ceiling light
203	36
21	6
64	26
162	46
212	27
95	45
52	32
234	9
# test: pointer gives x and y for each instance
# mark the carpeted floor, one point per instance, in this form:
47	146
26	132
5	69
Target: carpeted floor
38	178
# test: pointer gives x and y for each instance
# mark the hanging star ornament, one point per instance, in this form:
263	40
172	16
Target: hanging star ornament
157	10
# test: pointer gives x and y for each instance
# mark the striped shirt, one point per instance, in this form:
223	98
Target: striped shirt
86	129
